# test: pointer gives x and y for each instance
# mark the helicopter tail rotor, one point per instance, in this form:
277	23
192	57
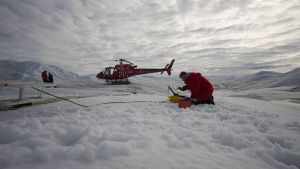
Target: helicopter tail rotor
168	67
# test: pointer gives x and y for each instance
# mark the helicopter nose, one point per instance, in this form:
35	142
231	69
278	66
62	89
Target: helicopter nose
100	75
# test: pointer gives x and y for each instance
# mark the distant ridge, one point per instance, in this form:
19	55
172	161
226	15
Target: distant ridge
28	70
268	79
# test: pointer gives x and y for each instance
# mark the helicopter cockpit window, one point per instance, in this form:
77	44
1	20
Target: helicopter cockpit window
107	71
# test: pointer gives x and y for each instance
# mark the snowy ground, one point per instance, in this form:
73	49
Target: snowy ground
238	132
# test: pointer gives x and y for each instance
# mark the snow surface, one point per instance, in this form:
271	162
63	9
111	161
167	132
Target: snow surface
238	132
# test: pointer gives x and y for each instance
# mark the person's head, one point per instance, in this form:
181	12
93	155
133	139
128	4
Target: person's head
183	75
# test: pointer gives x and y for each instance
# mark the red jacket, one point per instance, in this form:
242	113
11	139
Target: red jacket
199	86
44	76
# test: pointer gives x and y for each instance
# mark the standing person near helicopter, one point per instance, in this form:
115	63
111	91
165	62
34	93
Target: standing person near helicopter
50	78
201	89
44	76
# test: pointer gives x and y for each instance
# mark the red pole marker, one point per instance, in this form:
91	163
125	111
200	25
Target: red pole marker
5	84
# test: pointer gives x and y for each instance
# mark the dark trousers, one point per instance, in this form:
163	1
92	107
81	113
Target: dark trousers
210	101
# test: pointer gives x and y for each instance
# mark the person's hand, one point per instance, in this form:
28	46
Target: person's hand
186	98
180	88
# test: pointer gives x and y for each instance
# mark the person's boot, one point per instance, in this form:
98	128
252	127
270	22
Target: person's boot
212	100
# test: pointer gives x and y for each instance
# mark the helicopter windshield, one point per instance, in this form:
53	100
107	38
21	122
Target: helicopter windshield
107	71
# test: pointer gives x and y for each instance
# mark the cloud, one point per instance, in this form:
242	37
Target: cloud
196	33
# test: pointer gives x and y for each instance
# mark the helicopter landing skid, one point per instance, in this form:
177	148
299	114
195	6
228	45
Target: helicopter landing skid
118	82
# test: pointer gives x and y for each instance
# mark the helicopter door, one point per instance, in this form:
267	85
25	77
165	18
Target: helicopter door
123	71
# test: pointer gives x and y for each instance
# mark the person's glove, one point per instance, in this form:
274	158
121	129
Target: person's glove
181	88
186	98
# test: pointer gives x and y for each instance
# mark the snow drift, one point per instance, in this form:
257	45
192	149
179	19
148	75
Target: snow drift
235	133
146	131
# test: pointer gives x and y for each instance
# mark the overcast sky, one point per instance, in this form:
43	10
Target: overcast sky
210	36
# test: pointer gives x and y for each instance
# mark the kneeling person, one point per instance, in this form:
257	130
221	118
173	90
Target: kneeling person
201	89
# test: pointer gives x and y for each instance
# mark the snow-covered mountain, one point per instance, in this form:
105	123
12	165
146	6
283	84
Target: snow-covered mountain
263	79
28	70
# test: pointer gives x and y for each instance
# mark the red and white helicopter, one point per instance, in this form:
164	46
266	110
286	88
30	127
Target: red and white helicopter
119	73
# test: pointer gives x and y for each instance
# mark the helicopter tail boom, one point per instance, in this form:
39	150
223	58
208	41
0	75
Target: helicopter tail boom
168	67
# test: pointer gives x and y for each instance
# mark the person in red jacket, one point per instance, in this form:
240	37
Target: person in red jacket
44	76
201	89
